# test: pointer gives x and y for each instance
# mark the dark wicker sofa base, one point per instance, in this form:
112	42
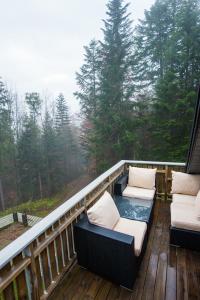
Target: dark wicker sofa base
107	253
185	238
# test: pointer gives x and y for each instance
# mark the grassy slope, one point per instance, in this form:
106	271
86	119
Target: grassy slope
38	208
44	206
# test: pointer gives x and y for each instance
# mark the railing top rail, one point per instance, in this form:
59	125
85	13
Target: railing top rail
156	163
18	245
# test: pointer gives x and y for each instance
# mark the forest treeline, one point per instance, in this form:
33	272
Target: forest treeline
137	89
138	85
40	150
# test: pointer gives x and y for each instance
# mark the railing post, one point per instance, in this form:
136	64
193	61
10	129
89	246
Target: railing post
166	182
110	186
15	217
85	204
24	219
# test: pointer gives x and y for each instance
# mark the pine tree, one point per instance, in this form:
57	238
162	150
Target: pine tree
106	88
113	125
151	42
167	56
29	149
64	142
88	80
7	148
49	154
176	91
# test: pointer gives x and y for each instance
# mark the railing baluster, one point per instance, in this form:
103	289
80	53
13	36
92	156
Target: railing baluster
62	248
56	253
29	252
41	271
28	279
16	295
73	246
68	250
49	262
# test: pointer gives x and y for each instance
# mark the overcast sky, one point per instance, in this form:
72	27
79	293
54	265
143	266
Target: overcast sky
41	42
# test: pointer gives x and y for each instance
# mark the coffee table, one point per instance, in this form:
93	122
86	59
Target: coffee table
134	208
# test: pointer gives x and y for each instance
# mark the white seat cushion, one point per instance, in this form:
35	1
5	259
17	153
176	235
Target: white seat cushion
133	228
135	192
142	177
183	199
104	212
197	205
184	217
183	183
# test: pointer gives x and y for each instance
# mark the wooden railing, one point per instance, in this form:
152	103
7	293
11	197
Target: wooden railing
33	264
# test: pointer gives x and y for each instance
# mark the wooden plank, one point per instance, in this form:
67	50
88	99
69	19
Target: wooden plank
117	292
70	285
171	275
153	261
160	286
93	288
140	281
192	279
182	288
83	286
103	290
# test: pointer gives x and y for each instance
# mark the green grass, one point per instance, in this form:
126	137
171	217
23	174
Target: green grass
38	208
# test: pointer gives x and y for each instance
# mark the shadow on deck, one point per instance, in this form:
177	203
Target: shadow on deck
165	273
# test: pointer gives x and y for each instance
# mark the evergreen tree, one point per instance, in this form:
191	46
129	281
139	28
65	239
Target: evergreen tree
29	148
64	143
151	42
88	80
167	56
7	148
113	125
107	103
49	154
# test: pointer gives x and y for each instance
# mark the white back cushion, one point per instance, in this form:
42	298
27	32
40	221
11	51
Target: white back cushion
197	205
142	177
183	183
104	212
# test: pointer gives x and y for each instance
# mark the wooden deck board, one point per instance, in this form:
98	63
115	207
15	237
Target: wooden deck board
166	272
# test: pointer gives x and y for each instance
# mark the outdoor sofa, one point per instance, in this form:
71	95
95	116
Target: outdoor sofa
185	211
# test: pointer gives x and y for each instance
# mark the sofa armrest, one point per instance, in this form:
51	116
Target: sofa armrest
108	253
121	184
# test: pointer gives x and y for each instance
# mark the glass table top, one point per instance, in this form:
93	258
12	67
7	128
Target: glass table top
133	208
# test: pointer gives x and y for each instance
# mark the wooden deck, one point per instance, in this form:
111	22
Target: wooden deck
165	273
